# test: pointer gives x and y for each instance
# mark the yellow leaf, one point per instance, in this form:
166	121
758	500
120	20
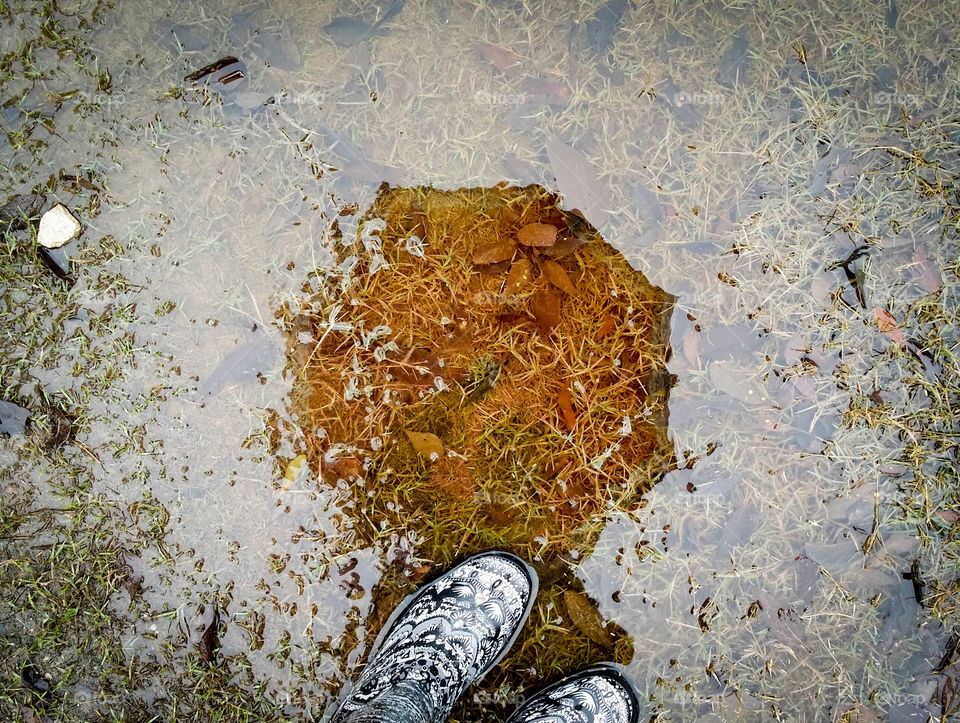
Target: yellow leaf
293	470
429	445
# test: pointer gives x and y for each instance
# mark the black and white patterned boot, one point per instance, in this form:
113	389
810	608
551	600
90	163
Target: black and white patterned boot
598	694
441	639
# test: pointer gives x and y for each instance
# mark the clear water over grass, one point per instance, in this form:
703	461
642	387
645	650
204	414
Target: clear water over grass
789	174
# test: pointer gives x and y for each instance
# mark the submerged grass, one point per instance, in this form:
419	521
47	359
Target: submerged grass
787	170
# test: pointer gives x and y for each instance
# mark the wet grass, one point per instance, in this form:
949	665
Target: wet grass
774	213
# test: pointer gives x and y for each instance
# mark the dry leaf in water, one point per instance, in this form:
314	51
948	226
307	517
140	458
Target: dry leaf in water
425	443
929	275
586	618
545	307
509	215
566	407
210	640
565	246
608	325
553	92
691	344
293	469
493	252
888	325
521	272
502	59
557	276
538	235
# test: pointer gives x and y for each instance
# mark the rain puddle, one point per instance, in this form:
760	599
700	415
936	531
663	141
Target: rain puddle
478	369
661	297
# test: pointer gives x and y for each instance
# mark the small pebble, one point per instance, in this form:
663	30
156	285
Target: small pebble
57	227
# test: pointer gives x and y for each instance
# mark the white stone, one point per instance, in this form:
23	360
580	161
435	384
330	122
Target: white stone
57	227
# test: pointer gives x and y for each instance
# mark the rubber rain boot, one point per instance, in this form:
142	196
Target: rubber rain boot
441	639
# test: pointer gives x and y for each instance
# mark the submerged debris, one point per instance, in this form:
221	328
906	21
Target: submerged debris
228	72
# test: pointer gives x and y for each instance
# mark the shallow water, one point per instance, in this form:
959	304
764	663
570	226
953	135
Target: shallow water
727	171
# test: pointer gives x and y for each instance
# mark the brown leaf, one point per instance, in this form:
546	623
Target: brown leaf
691	344
929	275
545	307
948	516
608	325
888	325
509	215
537	234
553	92
586	618
557	276
346	467
494	251
210	641
521	272
504	60
566	407
565	246
425	443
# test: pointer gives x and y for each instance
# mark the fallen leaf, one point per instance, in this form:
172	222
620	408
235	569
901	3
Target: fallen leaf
564	247
557	276
545	307
494	251
929	276
346	467
293	469
509	215
821	288
586	618
608	325
948	516
736	381
806	388
888	325
537	234
691	344
210	641
520	275
425	443
553	92
566	407
506	61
